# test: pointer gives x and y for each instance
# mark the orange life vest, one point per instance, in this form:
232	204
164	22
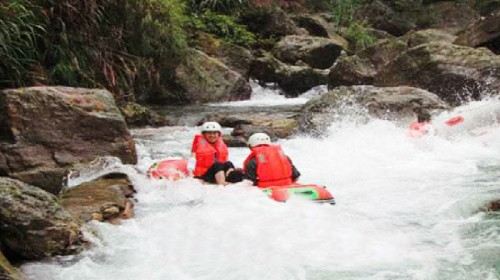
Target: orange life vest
418	129
207	154
273	166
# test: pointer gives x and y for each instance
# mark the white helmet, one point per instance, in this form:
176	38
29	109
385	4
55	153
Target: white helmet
211	126
259	139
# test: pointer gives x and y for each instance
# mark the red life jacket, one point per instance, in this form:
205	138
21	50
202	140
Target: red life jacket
207	154
418	129
273	166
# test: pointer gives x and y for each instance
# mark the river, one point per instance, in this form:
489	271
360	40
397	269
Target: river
406	209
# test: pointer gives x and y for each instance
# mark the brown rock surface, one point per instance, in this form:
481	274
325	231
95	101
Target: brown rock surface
105	199
33	223
44	130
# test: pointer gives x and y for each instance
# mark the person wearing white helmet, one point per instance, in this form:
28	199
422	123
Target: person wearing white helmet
211	155
267	165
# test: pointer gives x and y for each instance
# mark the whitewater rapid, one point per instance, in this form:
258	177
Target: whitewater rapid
406	209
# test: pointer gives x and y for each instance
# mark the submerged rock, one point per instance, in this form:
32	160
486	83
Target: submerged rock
206	79
454	73
44	130
381	102
317	52
104	199
33	223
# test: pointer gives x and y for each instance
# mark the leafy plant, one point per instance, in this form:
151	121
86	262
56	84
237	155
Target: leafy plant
224	27
19	33
358	34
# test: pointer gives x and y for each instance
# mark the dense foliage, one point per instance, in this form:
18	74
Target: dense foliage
127	46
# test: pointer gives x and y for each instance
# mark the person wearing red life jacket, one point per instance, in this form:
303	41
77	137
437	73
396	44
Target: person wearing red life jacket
422	126
211	155
267	165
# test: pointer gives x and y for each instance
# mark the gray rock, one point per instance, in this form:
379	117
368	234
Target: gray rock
454	73
317	52
105	198
386	103
484	32
206	79
33	223
292	79
44	130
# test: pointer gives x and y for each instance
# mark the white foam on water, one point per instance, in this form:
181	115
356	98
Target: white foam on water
268	96
406	209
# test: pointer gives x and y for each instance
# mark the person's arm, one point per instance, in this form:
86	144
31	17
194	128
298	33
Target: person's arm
251	171
295	171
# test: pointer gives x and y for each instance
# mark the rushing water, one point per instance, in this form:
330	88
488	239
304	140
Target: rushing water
406	209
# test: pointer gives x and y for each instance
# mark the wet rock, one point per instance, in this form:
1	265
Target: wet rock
103	199
493	206
386	103
278	122
314	24
235	57
351	70
7	271
137	115
206	79
33	223
454	73
317	52
484	32
294	80
426	36
44	130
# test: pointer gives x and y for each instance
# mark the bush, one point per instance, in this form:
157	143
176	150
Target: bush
224	27
128	46
19	34
357	33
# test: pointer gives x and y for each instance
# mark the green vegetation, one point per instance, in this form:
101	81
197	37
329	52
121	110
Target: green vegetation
356	32
223	26
19	33
126	46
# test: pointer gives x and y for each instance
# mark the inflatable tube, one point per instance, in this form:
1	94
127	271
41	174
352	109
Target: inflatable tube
313	192
169	168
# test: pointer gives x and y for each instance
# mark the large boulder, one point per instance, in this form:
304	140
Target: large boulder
270	22
484	32
455	73
291	78
206	79
103	199
362	67
317	52
451	16
33	223
7	271
44	130
386	103
384	17
426	36
235	57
